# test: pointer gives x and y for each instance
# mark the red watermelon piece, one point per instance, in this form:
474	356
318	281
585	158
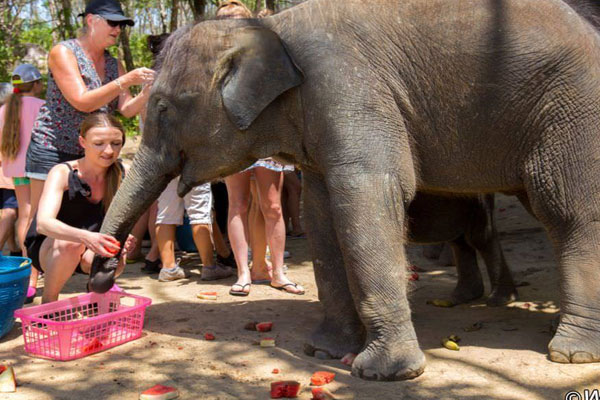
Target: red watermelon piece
159	392
285	389
321	378
93	345
264	326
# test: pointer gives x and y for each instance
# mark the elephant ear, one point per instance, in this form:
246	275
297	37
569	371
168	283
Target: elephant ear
253	73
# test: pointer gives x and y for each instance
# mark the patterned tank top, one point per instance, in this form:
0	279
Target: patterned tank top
58	122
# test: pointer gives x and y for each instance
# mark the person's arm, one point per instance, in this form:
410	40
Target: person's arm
63	64
49	225
129	105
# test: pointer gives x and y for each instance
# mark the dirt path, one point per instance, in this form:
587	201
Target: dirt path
506	359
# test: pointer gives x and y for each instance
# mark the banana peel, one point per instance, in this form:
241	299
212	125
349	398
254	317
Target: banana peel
450	344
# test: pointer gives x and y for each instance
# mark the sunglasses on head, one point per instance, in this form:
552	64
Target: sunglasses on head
114	24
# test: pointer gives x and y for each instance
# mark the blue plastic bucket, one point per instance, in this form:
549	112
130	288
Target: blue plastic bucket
184	236
14	281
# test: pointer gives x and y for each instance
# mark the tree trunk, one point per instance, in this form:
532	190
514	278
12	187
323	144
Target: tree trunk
174	15
65	15
127	56
124	39
198	8
270	4
54	14
163	16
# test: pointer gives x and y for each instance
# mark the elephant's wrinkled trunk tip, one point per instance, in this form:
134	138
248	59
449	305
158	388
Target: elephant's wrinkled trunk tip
183	188
102	276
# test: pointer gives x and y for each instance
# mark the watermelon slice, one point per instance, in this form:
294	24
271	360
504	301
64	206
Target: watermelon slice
321	378
159	392
207	295
93	345
264	326
285	389
8	380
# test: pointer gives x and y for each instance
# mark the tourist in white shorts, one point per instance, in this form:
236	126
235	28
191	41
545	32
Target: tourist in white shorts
171	207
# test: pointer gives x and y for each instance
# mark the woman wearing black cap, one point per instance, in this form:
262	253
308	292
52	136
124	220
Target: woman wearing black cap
84	78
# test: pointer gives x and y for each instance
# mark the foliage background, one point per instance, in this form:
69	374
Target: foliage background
29	28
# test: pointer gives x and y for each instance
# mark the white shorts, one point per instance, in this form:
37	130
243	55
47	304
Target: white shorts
197	203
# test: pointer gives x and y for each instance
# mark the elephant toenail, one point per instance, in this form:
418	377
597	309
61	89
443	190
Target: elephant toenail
559	357
581	357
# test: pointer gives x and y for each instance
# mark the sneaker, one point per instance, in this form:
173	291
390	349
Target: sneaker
173	274
214	272
228	261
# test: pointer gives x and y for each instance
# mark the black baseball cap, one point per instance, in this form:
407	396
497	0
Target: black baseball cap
110	10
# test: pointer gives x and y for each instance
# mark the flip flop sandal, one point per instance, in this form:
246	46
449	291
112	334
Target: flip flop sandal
239	292
283	287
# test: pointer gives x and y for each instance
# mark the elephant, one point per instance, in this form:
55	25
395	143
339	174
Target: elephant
375	101
467	224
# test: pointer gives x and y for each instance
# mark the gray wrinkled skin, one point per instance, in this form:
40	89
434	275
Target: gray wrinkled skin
376	100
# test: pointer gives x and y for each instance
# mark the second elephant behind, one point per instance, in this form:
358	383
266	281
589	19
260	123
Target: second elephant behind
468	225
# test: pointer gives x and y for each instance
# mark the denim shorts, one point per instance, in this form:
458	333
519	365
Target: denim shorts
8	199
40	160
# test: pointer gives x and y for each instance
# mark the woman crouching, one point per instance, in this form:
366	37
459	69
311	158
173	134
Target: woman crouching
74	201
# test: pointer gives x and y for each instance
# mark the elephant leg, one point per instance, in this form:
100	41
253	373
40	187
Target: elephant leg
470	284
341	331
369	217
483	236
446	258
567	202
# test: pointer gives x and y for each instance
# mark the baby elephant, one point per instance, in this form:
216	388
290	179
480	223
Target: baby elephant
467	224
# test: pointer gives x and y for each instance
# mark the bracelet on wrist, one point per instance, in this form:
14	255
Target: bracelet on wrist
119	85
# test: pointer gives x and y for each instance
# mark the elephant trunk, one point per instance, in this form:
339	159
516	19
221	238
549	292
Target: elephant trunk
144	182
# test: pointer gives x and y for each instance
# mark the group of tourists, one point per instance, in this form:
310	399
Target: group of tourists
61	156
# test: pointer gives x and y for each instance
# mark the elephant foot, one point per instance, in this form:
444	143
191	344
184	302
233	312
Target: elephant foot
502	295
331	342
575	343
377	362
466	292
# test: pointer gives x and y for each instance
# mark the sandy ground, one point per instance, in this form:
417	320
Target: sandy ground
506	359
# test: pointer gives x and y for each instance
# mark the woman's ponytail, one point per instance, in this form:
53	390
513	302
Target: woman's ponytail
11	131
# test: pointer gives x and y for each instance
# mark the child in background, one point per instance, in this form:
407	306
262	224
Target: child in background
17	117
8	208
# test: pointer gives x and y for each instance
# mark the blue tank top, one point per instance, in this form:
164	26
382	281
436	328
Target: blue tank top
58	122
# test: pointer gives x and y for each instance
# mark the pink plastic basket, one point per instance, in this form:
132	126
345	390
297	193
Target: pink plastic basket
82	325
